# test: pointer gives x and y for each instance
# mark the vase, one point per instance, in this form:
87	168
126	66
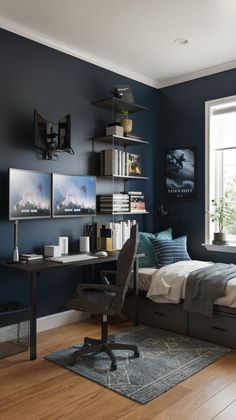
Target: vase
127	124
219	238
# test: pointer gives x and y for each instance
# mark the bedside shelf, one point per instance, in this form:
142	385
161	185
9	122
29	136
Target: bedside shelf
126	178
117	105
120	140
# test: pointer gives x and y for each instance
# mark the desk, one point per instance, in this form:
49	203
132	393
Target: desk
34	268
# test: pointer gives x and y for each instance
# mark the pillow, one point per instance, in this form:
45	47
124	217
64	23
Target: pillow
145	246
169	252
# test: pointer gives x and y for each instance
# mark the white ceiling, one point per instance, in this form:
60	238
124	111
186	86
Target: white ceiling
133	37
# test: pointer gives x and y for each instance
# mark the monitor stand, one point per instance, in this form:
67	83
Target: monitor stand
16	258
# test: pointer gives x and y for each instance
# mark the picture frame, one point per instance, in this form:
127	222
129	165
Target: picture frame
180	173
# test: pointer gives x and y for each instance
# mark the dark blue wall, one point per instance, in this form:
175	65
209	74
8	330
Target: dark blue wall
182	123
34	76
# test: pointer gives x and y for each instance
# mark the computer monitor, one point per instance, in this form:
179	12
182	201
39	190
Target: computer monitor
73	195
64	133
40	131
52	137
29	194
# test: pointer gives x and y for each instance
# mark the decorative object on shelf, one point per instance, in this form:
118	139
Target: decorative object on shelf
123	92
134	164
114	129
126	122
222	215
180	177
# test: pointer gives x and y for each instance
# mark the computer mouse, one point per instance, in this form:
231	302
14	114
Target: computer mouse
101	254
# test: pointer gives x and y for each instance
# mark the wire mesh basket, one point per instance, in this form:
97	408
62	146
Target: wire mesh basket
14	328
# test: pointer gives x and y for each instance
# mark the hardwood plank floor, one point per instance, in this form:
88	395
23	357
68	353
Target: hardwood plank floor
40	390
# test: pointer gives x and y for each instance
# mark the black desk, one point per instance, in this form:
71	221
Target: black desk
34	268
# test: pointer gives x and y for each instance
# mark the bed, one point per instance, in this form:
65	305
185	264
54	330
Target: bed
161	300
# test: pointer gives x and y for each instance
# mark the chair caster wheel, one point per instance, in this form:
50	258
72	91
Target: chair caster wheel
136	354
113	366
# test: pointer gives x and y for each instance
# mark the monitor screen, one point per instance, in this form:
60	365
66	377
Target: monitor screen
64	133
40	131
74	195
29	194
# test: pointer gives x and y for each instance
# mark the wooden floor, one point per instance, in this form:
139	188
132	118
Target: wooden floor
41	390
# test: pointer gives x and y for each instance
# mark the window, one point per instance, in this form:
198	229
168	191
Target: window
220	160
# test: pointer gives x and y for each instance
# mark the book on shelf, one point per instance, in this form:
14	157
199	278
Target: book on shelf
137	206
30	257
111	236
132	136
134	193
115	162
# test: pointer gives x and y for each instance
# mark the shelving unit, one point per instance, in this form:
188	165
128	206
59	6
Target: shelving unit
116	105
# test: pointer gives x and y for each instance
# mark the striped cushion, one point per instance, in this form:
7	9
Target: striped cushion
169	252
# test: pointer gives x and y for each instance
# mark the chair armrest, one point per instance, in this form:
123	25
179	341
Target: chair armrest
105	287
104	274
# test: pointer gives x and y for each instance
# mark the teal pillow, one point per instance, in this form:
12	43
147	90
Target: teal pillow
145	246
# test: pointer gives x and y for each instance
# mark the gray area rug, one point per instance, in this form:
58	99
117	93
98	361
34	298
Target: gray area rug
166	359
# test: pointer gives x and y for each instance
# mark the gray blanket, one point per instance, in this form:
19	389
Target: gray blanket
205	285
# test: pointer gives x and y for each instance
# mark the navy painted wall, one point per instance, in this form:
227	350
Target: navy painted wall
35	76
182	123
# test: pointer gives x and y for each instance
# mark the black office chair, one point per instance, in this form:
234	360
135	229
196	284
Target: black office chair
106	299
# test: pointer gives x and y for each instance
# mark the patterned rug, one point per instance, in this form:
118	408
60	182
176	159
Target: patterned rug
166	359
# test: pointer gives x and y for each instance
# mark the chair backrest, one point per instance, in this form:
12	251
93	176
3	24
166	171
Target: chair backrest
125	262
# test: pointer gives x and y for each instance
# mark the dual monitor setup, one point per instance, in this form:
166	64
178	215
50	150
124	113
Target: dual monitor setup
36	195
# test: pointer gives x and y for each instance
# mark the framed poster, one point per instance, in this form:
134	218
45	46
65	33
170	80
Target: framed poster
180	174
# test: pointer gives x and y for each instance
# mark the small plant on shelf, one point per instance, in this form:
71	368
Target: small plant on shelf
222	216
126	122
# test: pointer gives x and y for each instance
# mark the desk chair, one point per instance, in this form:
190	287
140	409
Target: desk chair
106	299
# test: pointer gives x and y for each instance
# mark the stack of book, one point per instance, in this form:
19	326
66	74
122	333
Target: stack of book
114	203
111	236
137	202
30	257
119	163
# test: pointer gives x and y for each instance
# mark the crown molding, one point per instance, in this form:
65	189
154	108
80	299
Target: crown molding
33	35
197	74
25	32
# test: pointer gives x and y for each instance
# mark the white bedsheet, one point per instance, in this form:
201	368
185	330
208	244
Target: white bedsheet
167	284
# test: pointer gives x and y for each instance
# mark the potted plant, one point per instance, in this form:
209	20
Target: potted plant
126	122
222	216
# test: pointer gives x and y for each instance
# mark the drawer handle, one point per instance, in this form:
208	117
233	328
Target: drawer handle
219	328
159	313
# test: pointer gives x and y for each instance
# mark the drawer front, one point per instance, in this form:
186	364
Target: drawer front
163	315
220	329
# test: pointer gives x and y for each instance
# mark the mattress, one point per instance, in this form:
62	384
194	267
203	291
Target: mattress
147	274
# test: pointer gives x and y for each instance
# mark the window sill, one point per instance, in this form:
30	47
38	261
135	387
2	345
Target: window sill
220	248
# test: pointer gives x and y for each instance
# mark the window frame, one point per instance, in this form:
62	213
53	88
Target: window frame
210	165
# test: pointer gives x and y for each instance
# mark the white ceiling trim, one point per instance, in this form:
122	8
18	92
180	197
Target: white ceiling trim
22	30
197	74
52	43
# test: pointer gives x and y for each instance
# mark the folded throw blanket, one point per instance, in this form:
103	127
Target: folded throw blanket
205	285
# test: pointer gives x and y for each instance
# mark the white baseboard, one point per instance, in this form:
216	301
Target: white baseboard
62	318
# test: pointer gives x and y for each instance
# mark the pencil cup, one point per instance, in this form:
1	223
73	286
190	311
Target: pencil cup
84	244
63	242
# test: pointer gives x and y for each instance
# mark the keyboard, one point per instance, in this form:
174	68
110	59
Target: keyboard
72	258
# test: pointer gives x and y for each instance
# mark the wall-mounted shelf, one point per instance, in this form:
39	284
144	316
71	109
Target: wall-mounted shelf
120	140
123	213
117	105
128	177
